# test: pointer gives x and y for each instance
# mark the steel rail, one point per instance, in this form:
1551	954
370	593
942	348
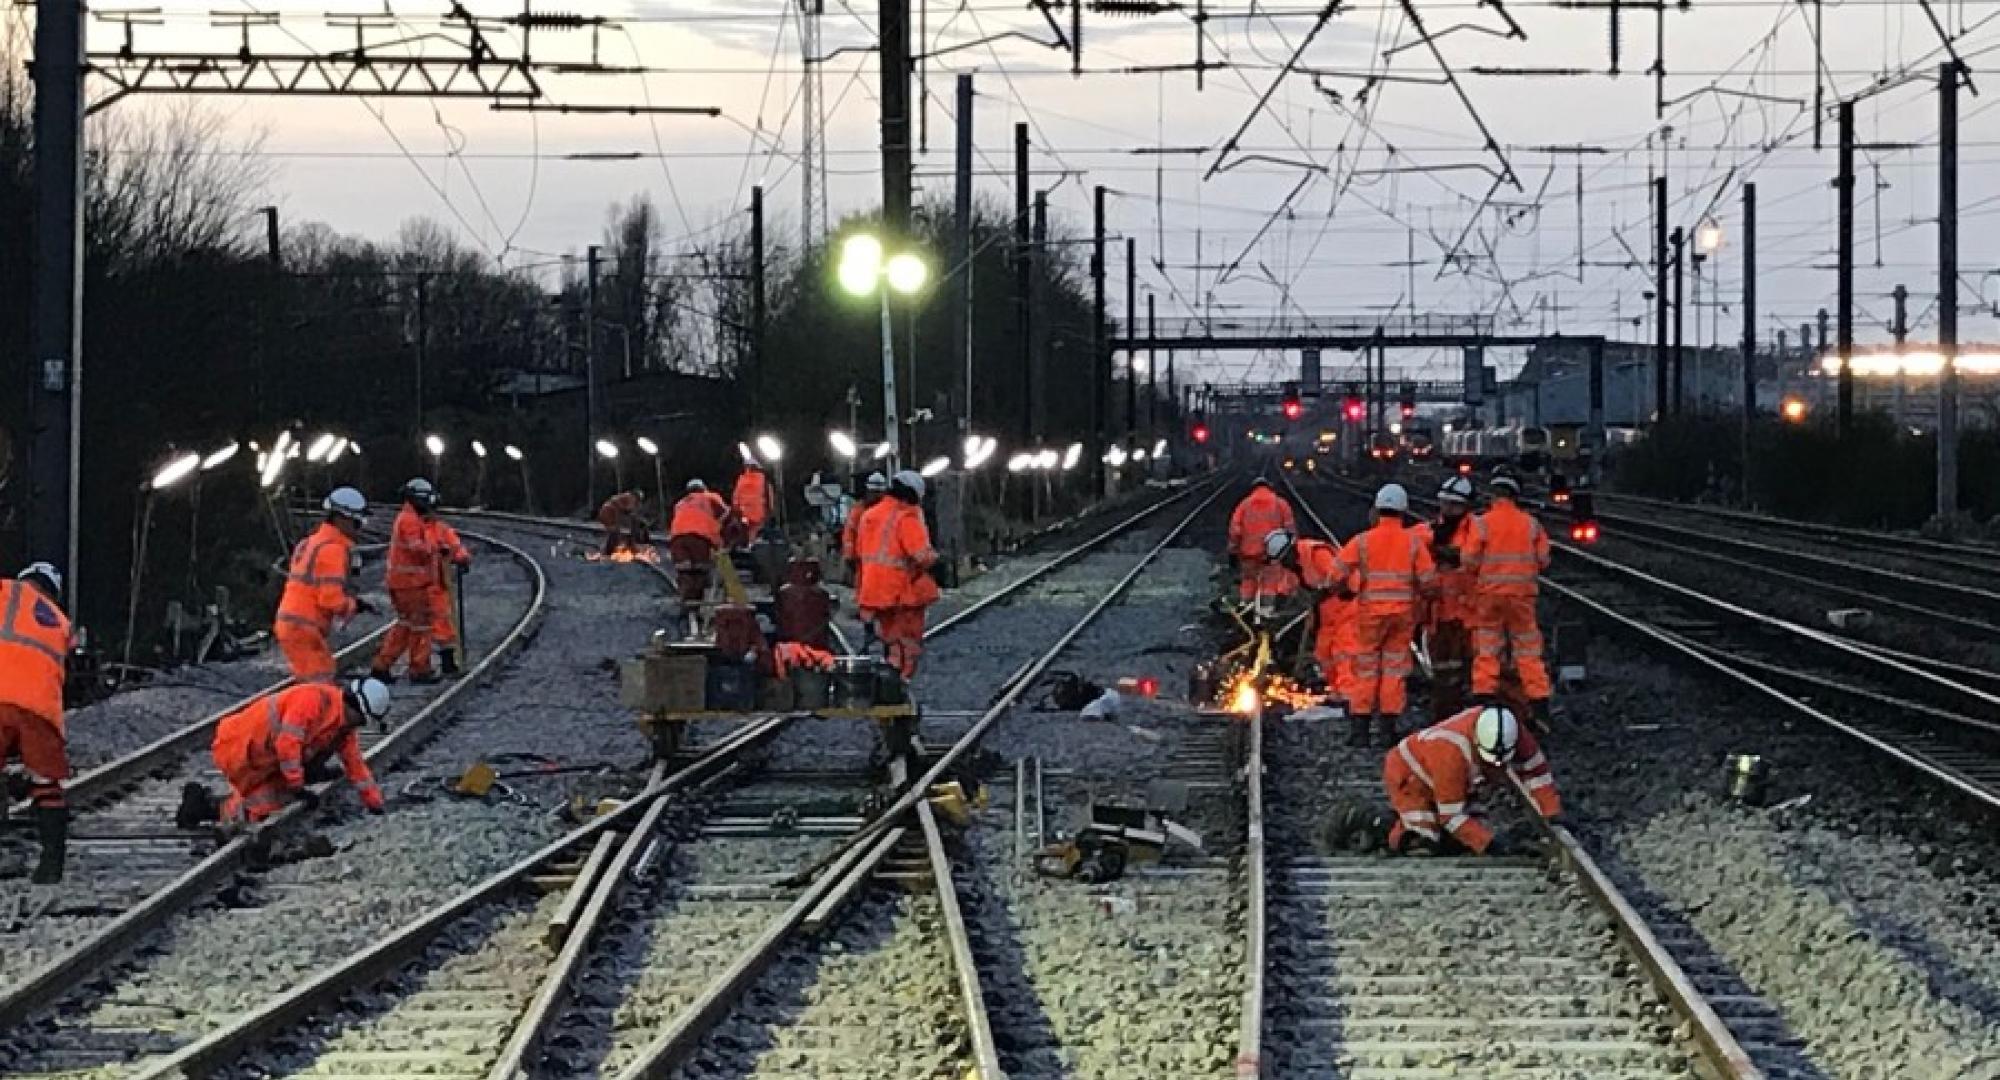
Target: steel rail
47	984
378	960
675	1045
1866	539
1250	1041
958	942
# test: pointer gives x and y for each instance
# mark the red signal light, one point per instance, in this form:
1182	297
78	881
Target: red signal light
1409	410
1201	433
1149	686
1293	410
1465	468
1354	409
1584	532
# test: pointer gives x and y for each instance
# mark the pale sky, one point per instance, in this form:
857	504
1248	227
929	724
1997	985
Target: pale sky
1263	236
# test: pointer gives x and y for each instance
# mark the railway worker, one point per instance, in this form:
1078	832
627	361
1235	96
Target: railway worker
1505	553
896	560
266	749
452	558
34	664
1260	512
693	535
1393	575
1433	775
751	499
318	593
1317	565
410	572
624	528
1448	632
873	490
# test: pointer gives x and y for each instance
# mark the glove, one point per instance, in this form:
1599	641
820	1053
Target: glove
464	567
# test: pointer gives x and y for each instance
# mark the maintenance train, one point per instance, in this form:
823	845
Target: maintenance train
1522	446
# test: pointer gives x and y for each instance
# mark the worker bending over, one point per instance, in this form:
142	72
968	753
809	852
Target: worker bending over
751	500
1505	555
873	491
1447	632
896	560
1317	565
1434	774
411	575
1393	575
267	749
318	594
1260	512
693	536
624	528
34	664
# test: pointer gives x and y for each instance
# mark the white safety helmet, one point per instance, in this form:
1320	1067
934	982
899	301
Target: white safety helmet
420	492
878	483
46	571
370	696
1393	497
1456	489
695	485
911	480
1278	544
348	503
1495	735
1505	481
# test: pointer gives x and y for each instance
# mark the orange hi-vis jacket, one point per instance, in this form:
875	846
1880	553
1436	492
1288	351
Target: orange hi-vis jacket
412	560
1507	550
1319	565
316	583
896	557
1455	583
449	547
617	508
1392	566
699	513
1444	759
1255	517
34	651
286	731
850	531
752	496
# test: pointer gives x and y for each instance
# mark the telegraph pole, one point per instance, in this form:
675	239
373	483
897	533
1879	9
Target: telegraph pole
590	378
757	308
1152	372
1749	314
1038	340
1131	335
1900	328
1679	241
1100	389
1843	349
1023	284
423	342
961	309
273	300
1947	458
55	411
894	27
1660	327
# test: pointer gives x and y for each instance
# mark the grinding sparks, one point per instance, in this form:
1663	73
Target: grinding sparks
646	554
1243	700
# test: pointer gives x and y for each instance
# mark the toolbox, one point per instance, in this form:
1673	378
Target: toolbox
776	695
811	689
664	680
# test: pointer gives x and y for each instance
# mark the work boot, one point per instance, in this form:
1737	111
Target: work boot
197	808
52	823
448	663
386	676
1541	723
1357	732
1385	732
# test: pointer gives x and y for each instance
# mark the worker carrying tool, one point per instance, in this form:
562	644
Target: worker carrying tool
411	574
1433	775
872	491
34	664
1317	565
624	527
318	594
452	558
896	560
1393	576
268	749
693	535
1505	554
1448	631
1254	518
751	499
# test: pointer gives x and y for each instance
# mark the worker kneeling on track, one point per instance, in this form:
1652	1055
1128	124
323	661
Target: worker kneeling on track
1393	576
896	562
318	588
624	527
1434	774
268	749
1317	566
34	658
1261	512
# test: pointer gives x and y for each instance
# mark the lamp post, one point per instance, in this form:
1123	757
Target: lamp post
435	445
608	450
515	455
1708	237
864	270
216	459
845	449
479	478
170	474
773	453
652	450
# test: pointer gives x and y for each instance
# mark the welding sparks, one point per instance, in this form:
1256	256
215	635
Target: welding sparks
646	554
1243	699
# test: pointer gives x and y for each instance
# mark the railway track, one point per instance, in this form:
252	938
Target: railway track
634	961
1975	560
132	872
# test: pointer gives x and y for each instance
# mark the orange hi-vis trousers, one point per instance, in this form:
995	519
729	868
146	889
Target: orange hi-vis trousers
1381	660
410	635
306	652
1507	624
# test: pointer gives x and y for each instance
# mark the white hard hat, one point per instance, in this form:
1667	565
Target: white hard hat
420	492
1393	497
1505	480
46	571
371	696
1456	488
696	485
910	479
877	482
1495	734
346	502
1277	544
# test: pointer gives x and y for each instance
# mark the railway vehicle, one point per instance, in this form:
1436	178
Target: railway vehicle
1522	446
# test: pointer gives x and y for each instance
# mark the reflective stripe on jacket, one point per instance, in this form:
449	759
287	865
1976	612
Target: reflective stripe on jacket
896	557
752	496
412	558
1253	519
316	591
1392	565
1443	758
34	651
287	731
699	513
1508	550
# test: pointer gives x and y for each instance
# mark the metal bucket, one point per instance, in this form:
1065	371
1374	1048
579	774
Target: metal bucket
1746	779
854	682
890	689
811	689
